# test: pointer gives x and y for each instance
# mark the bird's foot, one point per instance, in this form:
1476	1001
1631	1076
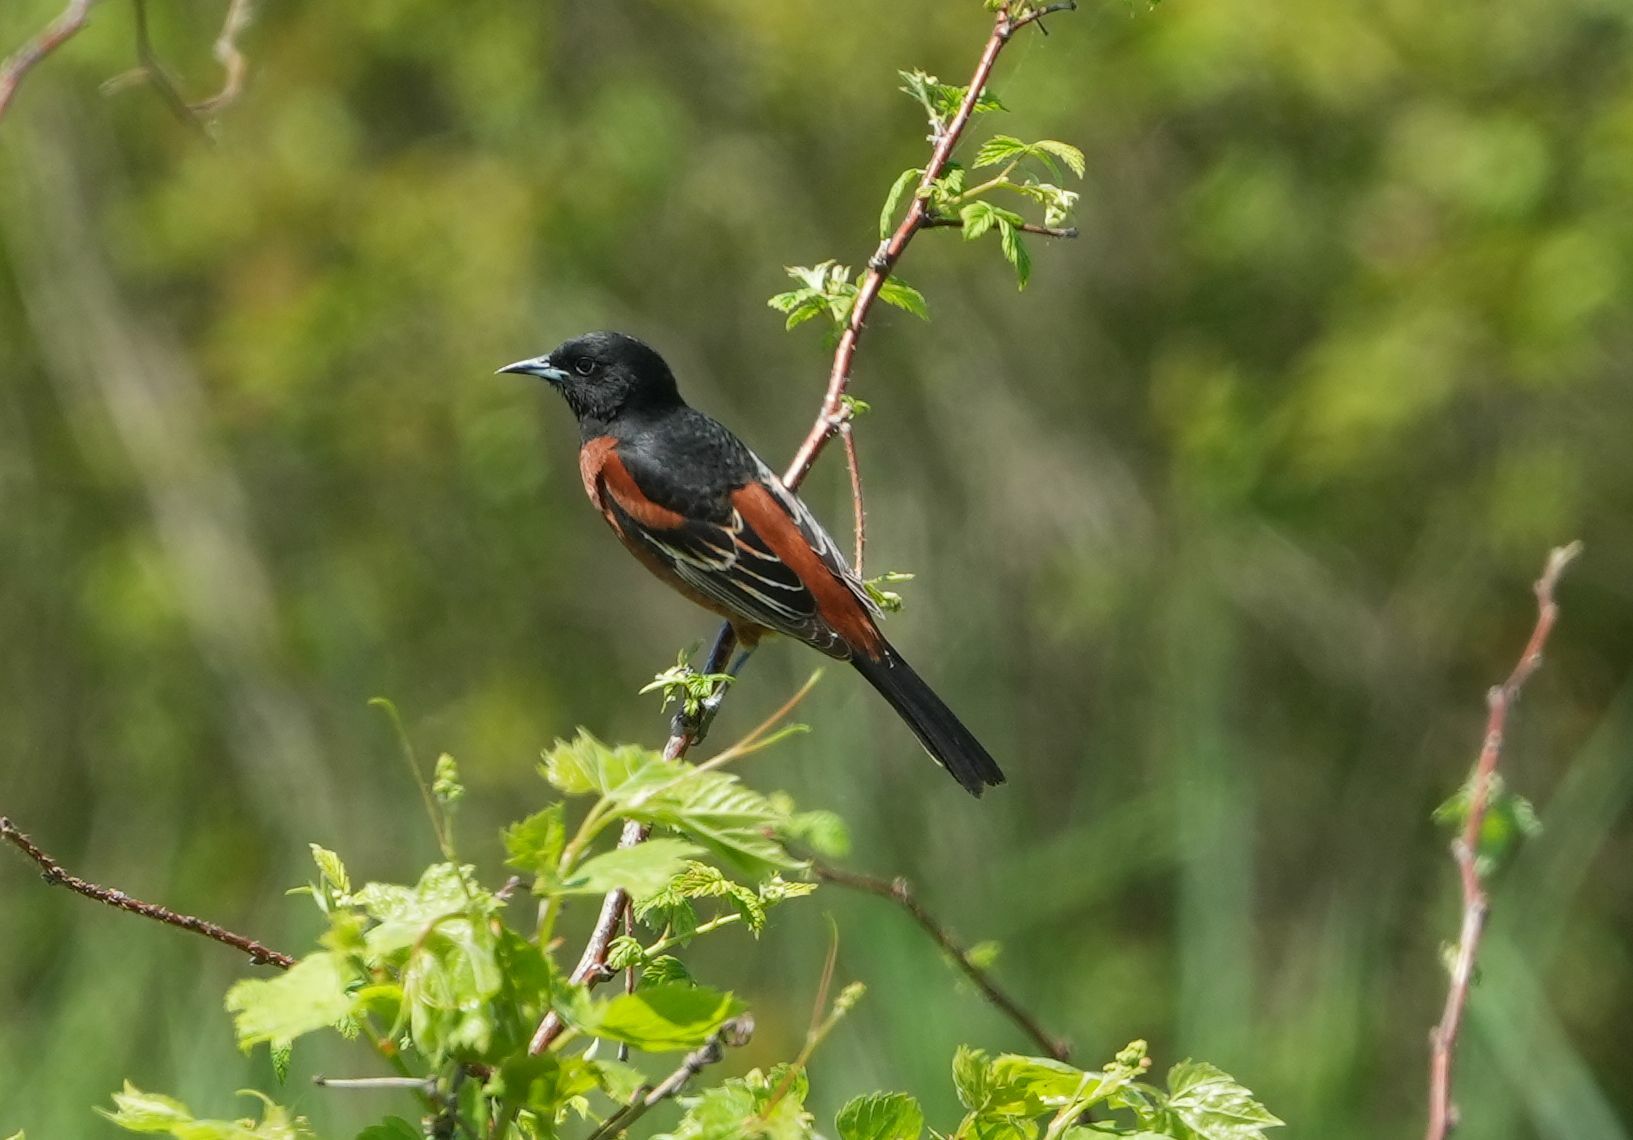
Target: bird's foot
695	727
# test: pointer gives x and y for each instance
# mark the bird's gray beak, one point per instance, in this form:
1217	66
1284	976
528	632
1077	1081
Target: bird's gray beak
539	366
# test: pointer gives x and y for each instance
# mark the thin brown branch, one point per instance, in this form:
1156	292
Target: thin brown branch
900	892
1037	14
884	261
58	32
848	434
1024	227
734	1034
1501	698
156	73
240	14
53	872
592	965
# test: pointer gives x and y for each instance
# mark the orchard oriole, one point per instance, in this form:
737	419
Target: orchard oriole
706	515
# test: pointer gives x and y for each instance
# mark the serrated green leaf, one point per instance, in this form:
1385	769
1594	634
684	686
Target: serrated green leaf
1214	1106
1015	252
1070	155
887	214
534	844
741	1108
138	1111
665	969
970	1077
787	302
331	869
904	296
942	100
715	809
584	766
700	881
640	870
999	149
282	1053
978	218
404	913
881	1116
660	1019
391	1128
822	831
310	995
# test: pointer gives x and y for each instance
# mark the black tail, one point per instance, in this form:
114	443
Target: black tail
941	733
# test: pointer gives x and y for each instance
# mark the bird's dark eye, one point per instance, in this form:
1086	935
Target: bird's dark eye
584	367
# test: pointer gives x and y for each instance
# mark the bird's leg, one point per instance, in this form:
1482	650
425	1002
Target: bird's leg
697	727
712	704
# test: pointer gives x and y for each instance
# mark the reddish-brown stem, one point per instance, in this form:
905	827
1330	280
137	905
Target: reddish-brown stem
1501	698
1024	227
900	892
884	261
857	508
53	872
58	32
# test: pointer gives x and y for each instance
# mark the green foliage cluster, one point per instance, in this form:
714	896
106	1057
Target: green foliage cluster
827	289
448	987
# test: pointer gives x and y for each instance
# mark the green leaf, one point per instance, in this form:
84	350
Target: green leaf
331	870
904	296
970	1077
887	215
664	969
1510	820
682	683
584	766
282	1053
881	1116
548	1082
999	149
405	913
1213	1105
1067	153
742	1108
978	218
534	844
887	600
1009	235
822	831
659	1019
699	881
716	810
138	1111
310	995
640	870
942	100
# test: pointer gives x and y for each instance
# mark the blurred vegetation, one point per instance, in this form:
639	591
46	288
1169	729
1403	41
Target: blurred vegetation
1220	529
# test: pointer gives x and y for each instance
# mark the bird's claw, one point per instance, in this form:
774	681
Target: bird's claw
696	726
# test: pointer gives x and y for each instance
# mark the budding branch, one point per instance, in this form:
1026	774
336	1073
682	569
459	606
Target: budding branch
1501	698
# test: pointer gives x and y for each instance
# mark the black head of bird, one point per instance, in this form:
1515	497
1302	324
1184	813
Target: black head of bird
604	375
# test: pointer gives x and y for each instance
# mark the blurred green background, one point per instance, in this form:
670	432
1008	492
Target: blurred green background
1221	528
